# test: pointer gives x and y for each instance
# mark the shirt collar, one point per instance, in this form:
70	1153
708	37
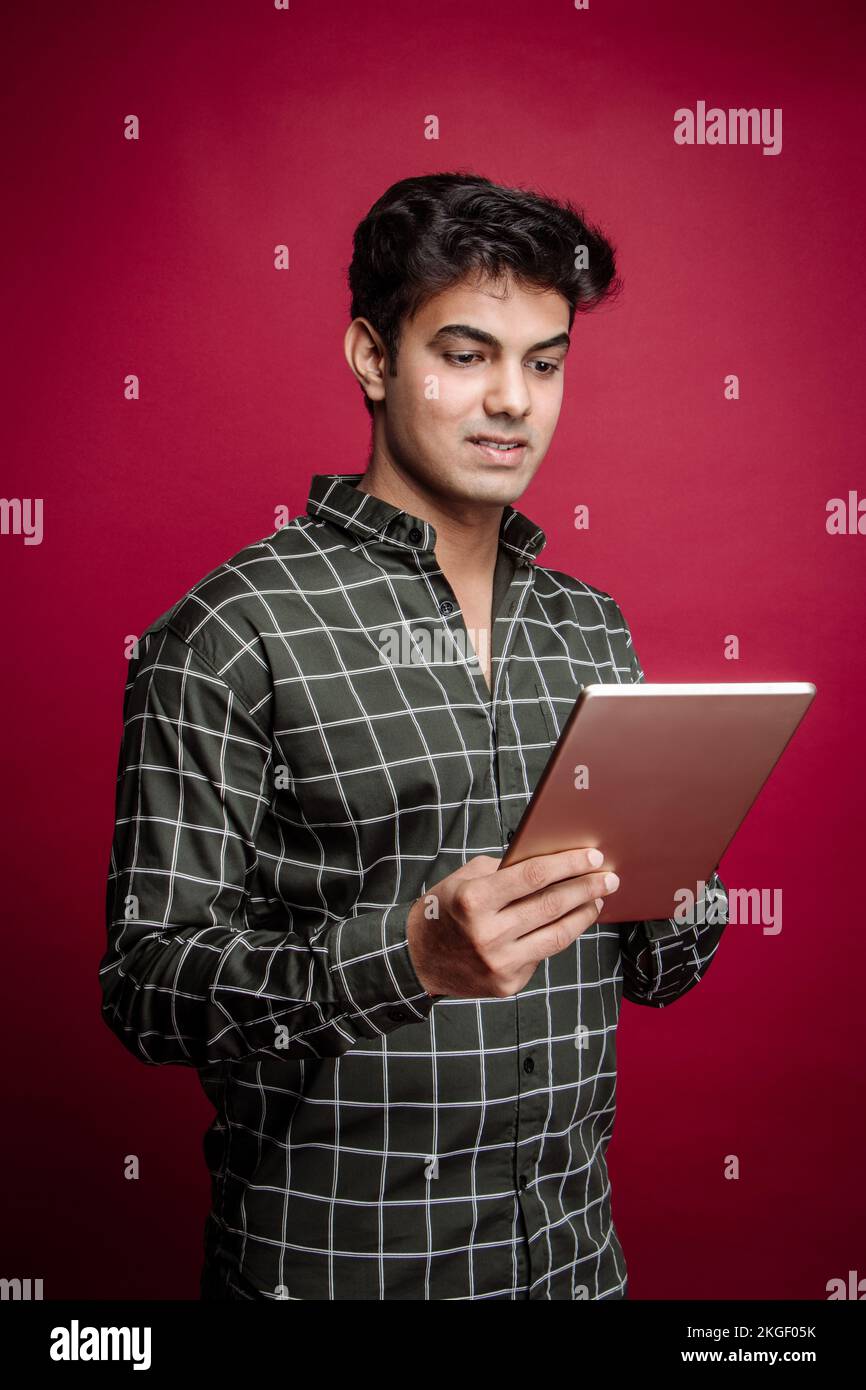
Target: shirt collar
335	497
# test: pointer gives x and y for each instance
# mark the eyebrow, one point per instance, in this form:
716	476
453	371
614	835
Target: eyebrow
479	335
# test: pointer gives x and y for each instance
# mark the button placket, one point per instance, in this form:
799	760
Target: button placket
513	602
446	608
510	605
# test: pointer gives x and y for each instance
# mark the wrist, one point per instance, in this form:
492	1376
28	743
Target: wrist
417	939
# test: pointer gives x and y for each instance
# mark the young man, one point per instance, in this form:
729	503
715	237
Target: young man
327	744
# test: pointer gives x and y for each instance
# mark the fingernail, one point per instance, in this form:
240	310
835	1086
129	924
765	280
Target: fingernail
611	881
595	857
599	902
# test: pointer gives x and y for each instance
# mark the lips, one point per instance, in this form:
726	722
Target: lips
499	448
501	440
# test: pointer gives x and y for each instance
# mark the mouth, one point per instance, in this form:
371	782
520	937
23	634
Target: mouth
500	448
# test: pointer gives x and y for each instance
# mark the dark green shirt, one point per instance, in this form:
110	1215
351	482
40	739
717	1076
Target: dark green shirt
292	777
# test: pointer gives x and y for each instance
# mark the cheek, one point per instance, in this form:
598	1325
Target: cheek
427	394
547	405
432	399
459	394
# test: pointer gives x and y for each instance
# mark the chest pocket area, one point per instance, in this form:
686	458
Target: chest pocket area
556	706
540	717
548	711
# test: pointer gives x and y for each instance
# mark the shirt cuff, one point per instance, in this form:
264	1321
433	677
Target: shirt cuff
374	975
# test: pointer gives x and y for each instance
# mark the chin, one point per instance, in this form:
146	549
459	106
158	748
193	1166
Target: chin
492	489
473	481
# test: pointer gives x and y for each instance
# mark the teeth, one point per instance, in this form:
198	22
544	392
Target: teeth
490	444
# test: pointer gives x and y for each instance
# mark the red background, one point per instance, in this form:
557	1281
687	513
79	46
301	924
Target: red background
155	257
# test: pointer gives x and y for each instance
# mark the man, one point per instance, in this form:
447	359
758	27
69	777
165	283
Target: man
327	744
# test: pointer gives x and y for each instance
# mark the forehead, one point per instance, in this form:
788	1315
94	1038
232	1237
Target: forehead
505	307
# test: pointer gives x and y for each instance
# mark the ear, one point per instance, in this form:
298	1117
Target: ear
365	354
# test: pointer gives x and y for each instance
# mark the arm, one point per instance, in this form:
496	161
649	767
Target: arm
663	959
185	979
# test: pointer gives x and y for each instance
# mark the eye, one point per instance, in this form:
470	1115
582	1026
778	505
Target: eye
452	356
465	359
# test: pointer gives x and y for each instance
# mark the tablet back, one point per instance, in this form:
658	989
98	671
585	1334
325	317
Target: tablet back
659	777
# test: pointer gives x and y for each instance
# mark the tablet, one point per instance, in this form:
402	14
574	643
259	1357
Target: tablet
660	778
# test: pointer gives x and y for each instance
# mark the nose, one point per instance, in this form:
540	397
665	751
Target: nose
507	393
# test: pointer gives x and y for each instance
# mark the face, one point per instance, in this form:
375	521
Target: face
483	360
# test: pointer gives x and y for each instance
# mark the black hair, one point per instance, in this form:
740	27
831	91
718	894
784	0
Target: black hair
426	233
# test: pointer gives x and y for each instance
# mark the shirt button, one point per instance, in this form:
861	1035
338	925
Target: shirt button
396	1015
446	606
528	1064
522	1182
509	836
415	535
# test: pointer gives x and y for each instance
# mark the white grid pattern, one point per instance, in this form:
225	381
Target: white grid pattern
283	798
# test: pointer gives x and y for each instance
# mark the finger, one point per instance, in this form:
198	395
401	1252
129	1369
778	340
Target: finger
549	905
559	935
530	875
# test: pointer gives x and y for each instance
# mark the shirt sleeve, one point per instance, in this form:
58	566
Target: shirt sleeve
186	977
664	958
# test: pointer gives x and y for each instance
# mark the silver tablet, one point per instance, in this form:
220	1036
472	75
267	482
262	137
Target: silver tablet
660	778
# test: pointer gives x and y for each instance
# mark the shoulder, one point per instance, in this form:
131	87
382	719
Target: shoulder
596	613
228	614
589	604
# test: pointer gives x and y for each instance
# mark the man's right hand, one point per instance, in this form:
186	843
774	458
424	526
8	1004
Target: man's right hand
495	925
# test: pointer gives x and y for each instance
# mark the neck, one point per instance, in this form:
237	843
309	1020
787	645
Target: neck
467	533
